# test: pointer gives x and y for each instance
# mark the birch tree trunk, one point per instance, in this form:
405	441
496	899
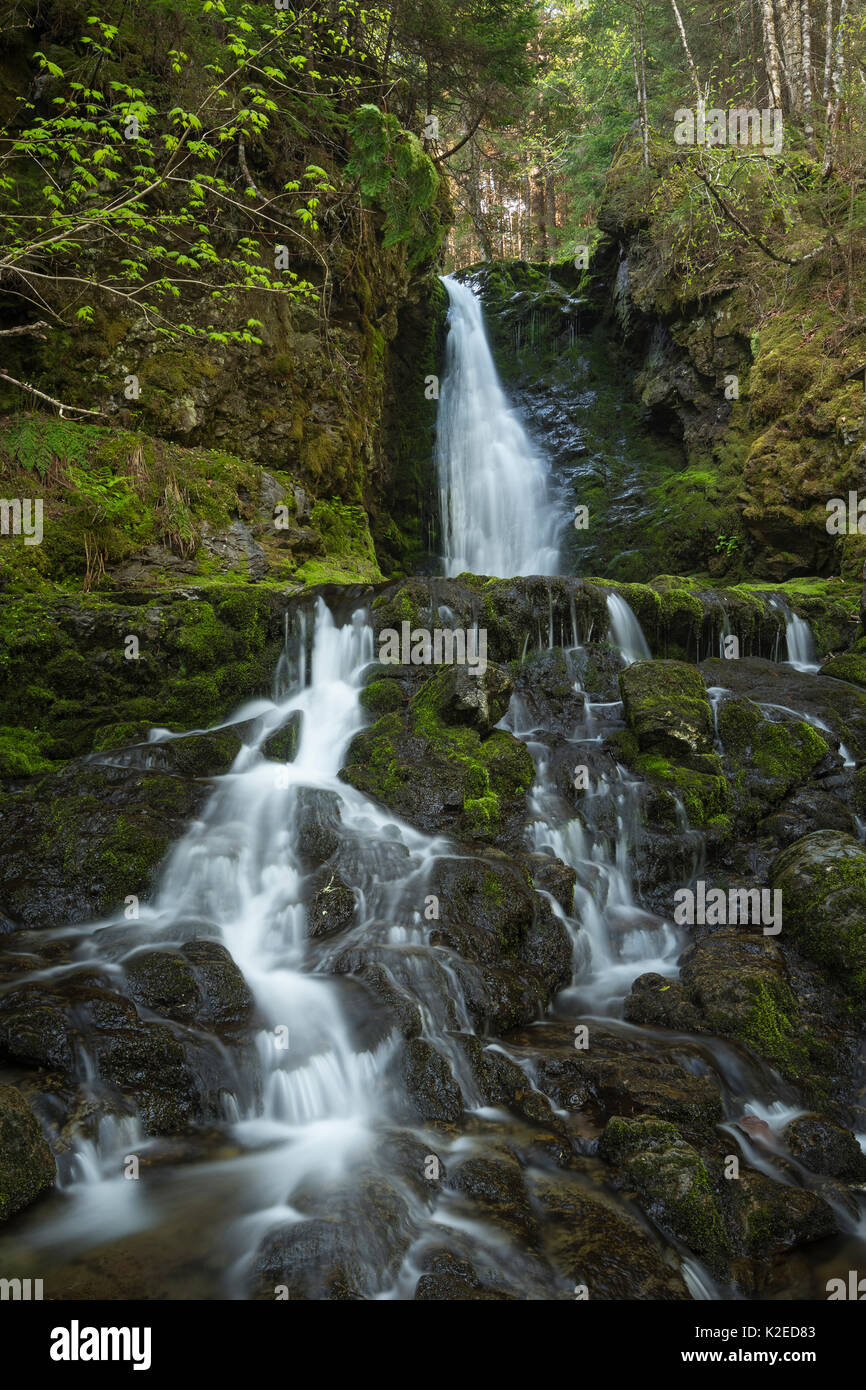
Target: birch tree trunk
640	89
699	100
771	52
828	52
788	46
806	54
834	101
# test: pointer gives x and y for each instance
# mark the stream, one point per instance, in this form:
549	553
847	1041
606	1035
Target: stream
312	1174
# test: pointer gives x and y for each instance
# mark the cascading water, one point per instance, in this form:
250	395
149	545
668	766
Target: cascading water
626	632
801	652
497	516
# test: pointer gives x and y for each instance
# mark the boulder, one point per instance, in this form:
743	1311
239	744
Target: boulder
27	1167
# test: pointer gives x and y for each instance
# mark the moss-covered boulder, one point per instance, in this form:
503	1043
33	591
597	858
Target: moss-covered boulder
441	775
76	843
66	661
735	984
766	757
672	1180
823	883
850	666
667	709
198	982
27	1167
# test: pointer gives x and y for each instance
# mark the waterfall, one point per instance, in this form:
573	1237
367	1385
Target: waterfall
802	653
497	516
626	632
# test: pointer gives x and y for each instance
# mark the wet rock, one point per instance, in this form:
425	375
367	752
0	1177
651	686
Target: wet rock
318	822
283	745
825	1147
661	1003
552	876
428	1082
673	1182
518	952
35	1030
765	1218
27	1167
75	844
840	706
477	698
618	1075
351	1242
766	757
823	883
198	982
667	708
165	982
502	1082
598	1245
333	908
495	1187
174	1076
440	776
448	1278
404	1011
806	810
548	696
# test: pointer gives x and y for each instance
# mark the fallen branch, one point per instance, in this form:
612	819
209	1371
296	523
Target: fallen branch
25	386
753	236
24	328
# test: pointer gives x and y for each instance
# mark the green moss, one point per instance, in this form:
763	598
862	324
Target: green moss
704	794
672	1178
381	697
22	752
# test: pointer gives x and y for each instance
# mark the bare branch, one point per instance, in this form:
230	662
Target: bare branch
25	386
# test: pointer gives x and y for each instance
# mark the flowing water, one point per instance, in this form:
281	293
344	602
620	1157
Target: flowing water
308	1116
497	516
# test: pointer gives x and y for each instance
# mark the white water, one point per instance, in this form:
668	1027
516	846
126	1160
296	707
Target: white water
626	632
497	517
802	653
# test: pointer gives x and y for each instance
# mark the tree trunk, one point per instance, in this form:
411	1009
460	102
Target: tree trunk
789	47
771	53
643	92
691	62
834	102
537	233
550	212
806	23
828	52
640	89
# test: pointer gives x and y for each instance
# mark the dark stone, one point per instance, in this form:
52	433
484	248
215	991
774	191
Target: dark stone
27	1167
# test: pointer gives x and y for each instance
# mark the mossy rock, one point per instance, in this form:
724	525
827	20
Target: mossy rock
27	1167
672	1180
667	709
822	878
442	775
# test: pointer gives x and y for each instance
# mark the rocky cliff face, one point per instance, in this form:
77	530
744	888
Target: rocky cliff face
704	417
